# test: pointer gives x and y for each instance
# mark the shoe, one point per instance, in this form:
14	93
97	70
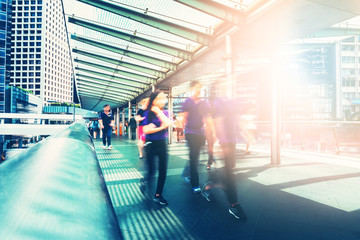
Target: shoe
208	167
196	190
160	200
206	195
110	147
237	211
186	179
104	147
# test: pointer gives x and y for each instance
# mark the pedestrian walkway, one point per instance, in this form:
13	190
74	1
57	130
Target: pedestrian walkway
301	199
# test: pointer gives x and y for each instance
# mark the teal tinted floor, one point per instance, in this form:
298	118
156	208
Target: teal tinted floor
304	198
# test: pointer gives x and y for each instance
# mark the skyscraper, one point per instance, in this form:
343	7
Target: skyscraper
349	84
5	31
40	58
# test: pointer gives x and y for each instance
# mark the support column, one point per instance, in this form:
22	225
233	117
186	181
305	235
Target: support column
118	121
129	130
276	109
123	122
230	76
170	109
137	123
153	88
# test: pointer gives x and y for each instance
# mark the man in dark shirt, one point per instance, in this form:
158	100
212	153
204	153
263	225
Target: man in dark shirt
106	123
195	112
132	125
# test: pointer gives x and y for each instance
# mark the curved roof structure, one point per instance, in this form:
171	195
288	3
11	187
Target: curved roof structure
122	48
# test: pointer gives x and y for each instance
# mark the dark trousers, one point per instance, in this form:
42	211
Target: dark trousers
229	180
107	135
133	133
157	148
179	132
194	142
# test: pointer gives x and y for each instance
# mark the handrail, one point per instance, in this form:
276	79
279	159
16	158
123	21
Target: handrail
313	121
39	116
55	190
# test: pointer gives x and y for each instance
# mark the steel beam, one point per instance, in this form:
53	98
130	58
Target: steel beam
137	77
111	95
119	86
125	52
184	32
173	51
110	100
125	81
142	69
103	87
334	32
215	9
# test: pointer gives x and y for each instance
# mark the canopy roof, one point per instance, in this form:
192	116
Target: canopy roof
122	48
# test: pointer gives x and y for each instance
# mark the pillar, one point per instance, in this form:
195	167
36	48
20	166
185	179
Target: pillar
118	121
276	109
229	63
170	109
129	132
123	121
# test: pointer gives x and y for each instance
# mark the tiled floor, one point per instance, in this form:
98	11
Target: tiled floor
303	198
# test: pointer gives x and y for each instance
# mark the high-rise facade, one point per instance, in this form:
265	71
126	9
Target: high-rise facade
349	78
5	31
40	57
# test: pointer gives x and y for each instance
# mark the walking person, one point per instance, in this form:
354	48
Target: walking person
226	124
179	127
95	128
140	119
195	112
155	127
133	125
106	123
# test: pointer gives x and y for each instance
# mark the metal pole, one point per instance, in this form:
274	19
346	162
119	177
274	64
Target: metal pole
170	109
129	130
137	123
118	121
275	117
74	112
123	122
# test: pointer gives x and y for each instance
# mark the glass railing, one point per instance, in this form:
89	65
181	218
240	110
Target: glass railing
331	137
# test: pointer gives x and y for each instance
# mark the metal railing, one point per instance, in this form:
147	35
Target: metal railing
333	137
34	124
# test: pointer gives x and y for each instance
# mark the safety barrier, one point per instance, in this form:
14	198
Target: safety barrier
55	190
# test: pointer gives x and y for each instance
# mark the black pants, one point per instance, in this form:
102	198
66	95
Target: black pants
107	135
133	133
195	142
159	149
229	180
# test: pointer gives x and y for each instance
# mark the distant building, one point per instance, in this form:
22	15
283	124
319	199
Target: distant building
40	57
5	34
23	101
349	78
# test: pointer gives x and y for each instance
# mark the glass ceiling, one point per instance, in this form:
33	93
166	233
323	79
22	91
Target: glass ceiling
101	41
123	47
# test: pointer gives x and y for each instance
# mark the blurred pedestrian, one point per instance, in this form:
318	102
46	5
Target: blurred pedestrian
195	112
156	123
226	125
140	119
106	123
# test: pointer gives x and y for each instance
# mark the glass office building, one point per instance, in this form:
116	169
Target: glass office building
5	31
